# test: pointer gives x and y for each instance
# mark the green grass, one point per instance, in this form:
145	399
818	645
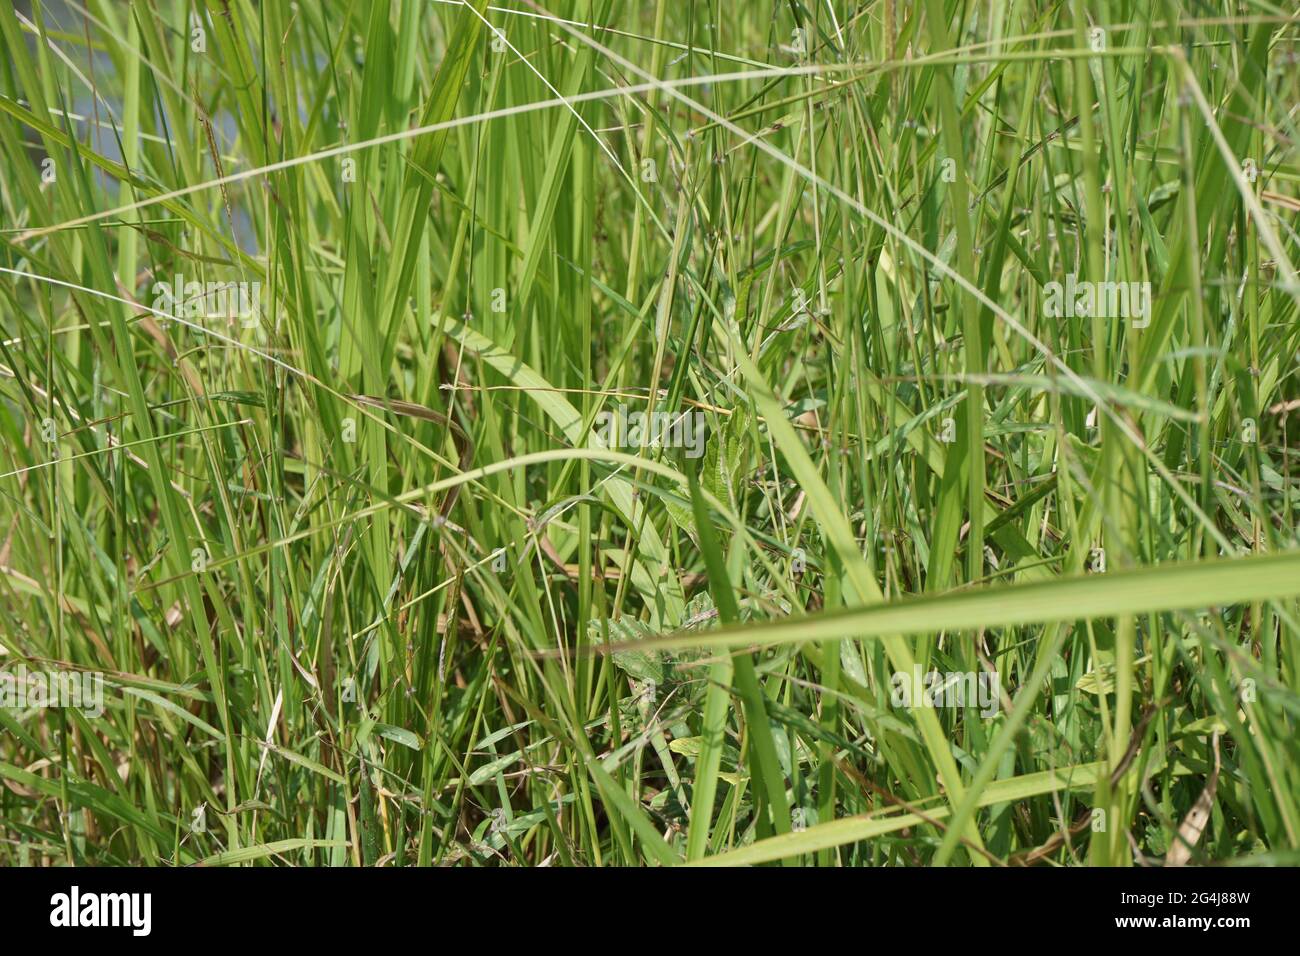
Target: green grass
364	579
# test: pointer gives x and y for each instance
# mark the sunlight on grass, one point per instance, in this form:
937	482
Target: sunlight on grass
595	433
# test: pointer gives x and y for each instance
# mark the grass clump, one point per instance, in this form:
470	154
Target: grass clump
574	433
